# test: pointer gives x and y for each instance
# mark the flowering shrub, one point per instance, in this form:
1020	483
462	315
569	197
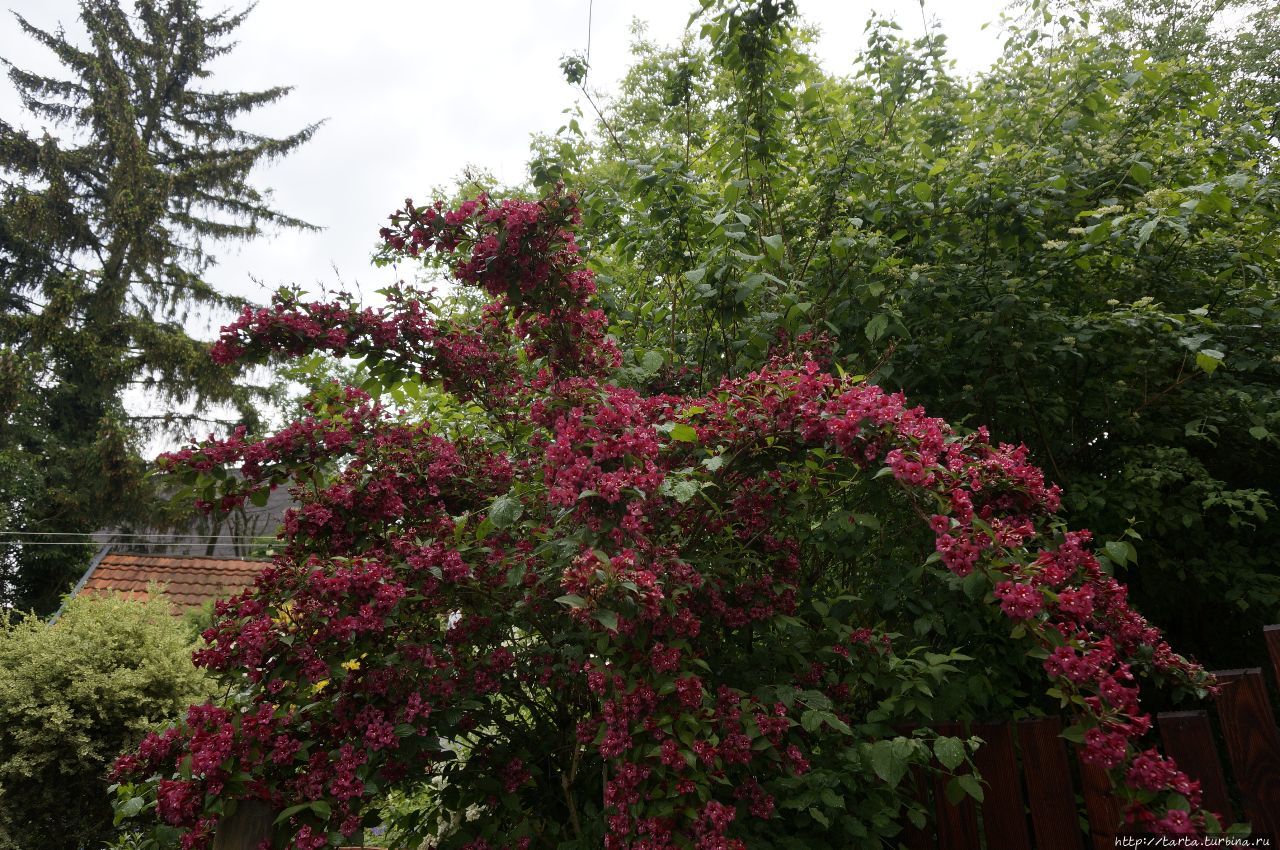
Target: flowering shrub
592	616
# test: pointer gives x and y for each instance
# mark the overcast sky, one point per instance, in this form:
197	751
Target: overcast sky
414	91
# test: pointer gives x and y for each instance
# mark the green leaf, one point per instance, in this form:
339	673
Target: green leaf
1209	359
318	806
606	618
130	808
651	362
684	433
876	327
685	490
923	192
695	275
887	762
773	245
971	786
1117	552
1259	432
1214	202
572	601
504	511
974	585
950	752
836	723
1144	232
259	497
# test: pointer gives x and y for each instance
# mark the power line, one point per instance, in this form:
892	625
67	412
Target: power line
13	542
107	536
194	544
134	544
8	539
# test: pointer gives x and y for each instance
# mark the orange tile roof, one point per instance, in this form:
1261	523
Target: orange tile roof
189	581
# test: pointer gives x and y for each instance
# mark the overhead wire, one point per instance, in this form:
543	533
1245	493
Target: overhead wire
168	541
98	535
13	541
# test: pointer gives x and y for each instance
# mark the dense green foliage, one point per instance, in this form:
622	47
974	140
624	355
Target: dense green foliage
1075	248
103	244
73	694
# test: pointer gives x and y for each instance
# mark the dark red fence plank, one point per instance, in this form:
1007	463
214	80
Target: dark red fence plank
1253	744
246	828
1049	789
913	837
1103	809
1271	635
1188	740
957	824
1004	818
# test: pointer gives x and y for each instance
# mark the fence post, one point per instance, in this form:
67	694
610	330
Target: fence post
1049	789
1253	744
1188	739
1004	818
248	825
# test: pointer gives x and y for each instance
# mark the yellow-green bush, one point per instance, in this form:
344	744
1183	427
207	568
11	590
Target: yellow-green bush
73	694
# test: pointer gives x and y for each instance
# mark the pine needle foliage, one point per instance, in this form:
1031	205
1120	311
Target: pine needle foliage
107	219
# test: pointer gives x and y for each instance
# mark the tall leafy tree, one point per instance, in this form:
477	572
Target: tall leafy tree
1238	41
1075	247
105	232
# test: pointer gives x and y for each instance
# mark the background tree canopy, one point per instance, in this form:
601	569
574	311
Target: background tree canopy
104	233
1075	247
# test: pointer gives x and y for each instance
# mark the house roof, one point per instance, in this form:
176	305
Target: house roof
189	581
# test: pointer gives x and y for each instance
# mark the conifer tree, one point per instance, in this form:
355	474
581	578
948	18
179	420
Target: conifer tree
106	222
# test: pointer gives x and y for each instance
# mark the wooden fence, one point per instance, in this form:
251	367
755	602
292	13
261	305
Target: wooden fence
1033	784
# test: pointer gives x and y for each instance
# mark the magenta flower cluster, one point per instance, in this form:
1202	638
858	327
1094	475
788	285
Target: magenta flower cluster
583	561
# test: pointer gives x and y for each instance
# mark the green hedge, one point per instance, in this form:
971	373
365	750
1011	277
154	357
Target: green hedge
73	695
